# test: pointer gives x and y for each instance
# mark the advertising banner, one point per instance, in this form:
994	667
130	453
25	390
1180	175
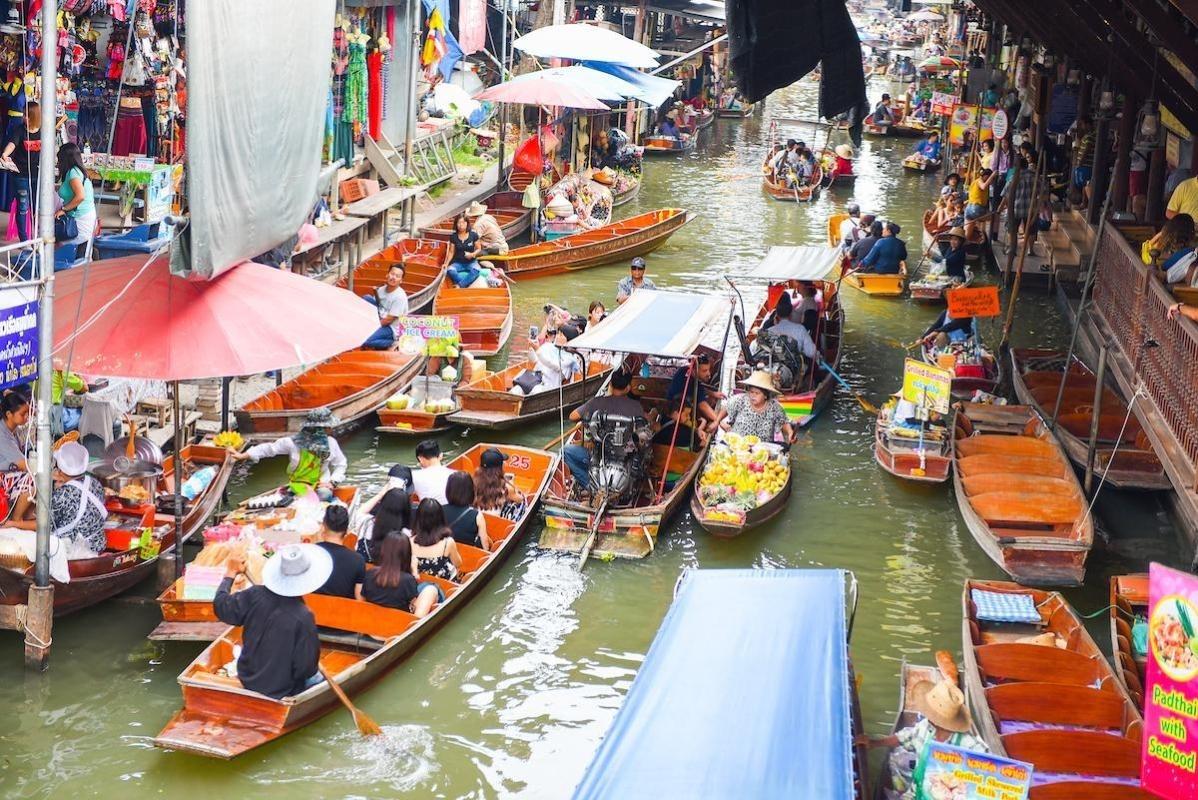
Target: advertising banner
927	386
953	773
18	336
1170	753
981	301
428	335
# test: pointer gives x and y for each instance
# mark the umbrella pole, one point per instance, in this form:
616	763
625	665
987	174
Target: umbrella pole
178	460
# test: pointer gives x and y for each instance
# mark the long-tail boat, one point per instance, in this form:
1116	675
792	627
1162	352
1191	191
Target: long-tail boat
794	194
507	209
123	564
424	262
1123	453
1041	692
352	385
618	241
918	453
484	315
1019	495
221	718
489	403
669	145
786	269
1129	602
664	331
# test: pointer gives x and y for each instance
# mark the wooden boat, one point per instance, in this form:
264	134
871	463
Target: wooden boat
917	164
797	194
745	111
831	177
668	145
723	528
904	453
704	120
488	403
901	127
1129	600
518	179
975	369
1123	450
1019	496
415	420
187	620
352	385
220	718
1056	705
121	565
507	209
976	247
424	262
623	197
619	241
875	285
484	315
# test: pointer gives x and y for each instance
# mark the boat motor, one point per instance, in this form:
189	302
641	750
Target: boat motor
779	355
619	453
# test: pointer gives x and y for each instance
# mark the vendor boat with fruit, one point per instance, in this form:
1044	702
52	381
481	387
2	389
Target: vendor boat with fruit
360	642
744	483
629	473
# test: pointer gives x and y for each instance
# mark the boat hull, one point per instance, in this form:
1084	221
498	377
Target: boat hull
754	517
484	315
658	146
507	208
744	112
1129	596
933	467
799	194
876	285
488	404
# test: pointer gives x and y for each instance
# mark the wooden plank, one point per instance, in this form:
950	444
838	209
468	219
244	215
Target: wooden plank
376	204
187	631
9	619
331	233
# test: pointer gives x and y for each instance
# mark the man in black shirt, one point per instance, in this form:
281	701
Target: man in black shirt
280	648
578	457
349	568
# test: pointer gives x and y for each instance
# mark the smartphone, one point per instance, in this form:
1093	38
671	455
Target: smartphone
532	332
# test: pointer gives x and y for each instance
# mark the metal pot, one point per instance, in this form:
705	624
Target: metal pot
139	473
143	450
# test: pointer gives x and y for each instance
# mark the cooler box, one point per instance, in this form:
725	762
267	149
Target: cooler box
971	371
142	239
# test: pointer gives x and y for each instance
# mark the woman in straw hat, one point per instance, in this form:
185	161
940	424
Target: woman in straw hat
757	412
953	255
844	162
945	719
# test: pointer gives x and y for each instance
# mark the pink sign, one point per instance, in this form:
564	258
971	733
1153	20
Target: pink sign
472	25
1170	753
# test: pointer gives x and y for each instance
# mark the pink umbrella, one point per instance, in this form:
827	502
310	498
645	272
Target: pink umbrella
538	89
137	320
939	64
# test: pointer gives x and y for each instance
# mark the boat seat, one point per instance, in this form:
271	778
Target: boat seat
1131	673
1075	753
1056	704
334	661
472	559
447	587
498	528
1014	661
1029	484
1011	465
1109	425
1071	790
1034	379
1027	508
1007	445
358	616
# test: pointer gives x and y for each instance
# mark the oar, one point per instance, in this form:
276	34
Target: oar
866	406
366	726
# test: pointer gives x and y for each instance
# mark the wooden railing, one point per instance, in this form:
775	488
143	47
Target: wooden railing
1133	303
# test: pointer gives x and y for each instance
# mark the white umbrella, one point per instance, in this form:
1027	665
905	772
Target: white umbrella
586	43
591	81
925	16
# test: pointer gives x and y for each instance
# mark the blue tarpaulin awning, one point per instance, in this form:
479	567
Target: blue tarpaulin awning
651	89
745	692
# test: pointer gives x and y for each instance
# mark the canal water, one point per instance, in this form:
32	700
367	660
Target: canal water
512	696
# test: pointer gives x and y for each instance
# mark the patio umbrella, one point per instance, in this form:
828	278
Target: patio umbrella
925	16
539	89
585	43
599	84
939	64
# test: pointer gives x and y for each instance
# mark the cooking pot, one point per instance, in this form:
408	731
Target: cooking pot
138	473
143	450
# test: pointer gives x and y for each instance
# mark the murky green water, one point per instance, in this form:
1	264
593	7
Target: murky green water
513	695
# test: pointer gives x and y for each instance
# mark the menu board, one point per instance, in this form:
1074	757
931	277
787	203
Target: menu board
1170	744
954	773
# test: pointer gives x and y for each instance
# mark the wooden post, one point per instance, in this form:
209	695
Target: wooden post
1155	211
1100	177
39	623
1127	131
1085	89
1095	418
1032	211
638	33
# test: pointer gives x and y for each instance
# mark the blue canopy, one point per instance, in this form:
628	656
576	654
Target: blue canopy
745	692
655	323
651	89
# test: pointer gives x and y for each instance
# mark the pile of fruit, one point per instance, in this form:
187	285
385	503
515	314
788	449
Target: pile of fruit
405	402
742	473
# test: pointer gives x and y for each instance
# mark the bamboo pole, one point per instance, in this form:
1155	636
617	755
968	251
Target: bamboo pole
1032	210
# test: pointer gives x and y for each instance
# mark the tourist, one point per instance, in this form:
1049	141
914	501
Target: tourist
883	116
1019	195
634	281
781	322
77	512
979	199
986	154
349	568
22	155
552	365
493	490
617	403
280	646
467	524
432	542
928	151
887	256
952	185
945	330
850	227
387	513
954	255
463	267
596	313
1184	199
392	303
429	481
1083	158
78	205
1175	236
769	166
757	412
315	460
867	242
1182	309
491	241
394	584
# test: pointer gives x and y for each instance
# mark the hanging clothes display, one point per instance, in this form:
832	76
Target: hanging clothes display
374	94
355	84
130	134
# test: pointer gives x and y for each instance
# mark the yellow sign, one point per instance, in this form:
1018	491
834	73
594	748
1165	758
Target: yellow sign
927	386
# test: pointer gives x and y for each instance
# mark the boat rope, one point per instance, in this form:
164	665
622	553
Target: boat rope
1105	609
1114	451
22	614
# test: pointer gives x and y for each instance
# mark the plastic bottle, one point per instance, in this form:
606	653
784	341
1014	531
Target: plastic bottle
198	482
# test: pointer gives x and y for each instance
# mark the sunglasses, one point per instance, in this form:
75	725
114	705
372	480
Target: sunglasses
638	269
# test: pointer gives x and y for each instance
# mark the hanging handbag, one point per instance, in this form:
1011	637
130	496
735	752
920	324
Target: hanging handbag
65	228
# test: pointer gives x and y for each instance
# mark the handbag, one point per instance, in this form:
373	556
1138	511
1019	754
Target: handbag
66	228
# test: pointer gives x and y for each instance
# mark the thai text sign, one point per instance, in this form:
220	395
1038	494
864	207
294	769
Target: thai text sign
981	301
18	336
1170	743
943	103
428	335
927	386
961	774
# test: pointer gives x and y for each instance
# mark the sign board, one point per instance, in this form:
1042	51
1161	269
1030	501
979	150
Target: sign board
1169	756
999	125
954	772
980	301
160	193
943	103
18	336
428	335
1062	108
927	386
964	118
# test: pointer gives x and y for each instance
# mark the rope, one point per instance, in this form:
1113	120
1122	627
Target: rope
1105	609
1130	405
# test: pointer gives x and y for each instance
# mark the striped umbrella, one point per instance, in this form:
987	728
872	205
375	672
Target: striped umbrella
939	64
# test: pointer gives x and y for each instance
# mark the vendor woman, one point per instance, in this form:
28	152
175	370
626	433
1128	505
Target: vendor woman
757	412
315	458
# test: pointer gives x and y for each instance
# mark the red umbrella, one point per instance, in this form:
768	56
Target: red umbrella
538	89
137	320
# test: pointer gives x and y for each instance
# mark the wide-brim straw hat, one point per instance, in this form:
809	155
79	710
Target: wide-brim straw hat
943	704
476	209
297	569
844	151
321	418
959	232
760	379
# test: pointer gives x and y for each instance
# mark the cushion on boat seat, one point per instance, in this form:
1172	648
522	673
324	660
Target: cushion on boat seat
1007	445
472	559
1031	484
1011	661
358	616
1056	704
1011	465
1030	508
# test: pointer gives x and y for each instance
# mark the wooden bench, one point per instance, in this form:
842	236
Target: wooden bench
376	208
348	237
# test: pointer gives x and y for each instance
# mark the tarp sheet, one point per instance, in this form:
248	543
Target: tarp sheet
744	693
666	324
259	80
602	85
804	263
651	89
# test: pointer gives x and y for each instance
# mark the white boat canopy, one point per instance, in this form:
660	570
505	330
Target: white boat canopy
664	324
581	42
803	263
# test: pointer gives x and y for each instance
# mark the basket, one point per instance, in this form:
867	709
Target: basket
16	561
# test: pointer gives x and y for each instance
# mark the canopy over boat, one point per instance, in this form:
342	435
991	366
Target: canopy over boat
581	42
652	89
665	324
805	263
693	726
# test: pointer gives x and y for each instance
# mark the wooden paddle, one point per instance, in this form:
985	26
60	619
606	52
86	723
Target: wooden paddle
366	726
866	406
